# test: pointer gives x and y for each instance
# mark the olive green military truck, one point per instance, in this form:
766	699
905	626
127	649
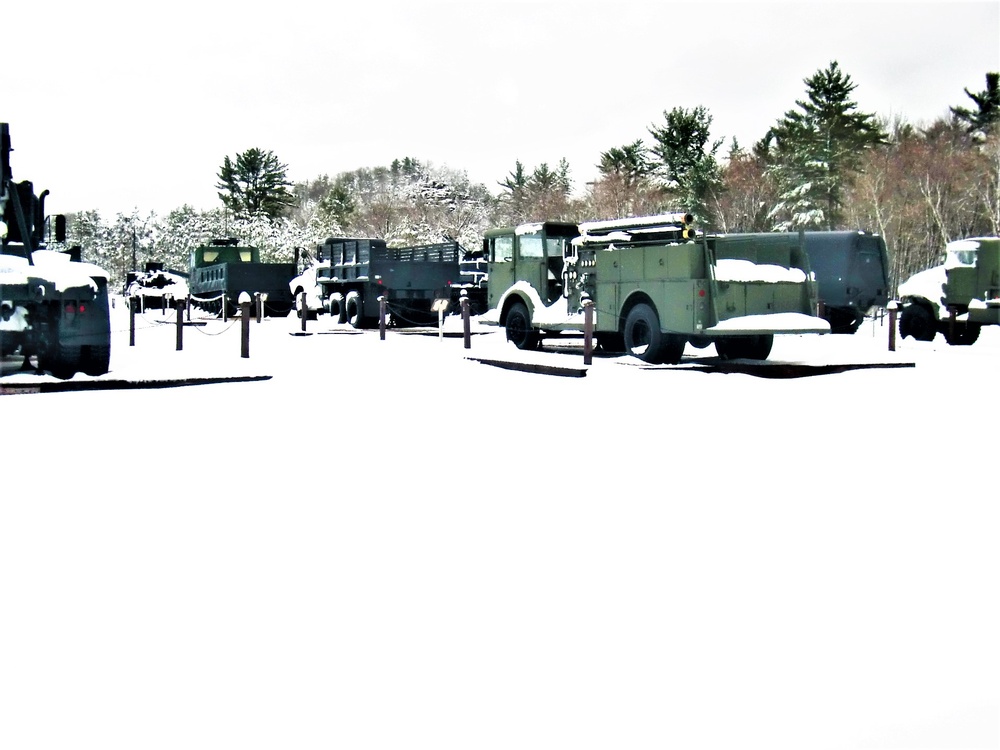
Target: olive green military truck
955	298
655	286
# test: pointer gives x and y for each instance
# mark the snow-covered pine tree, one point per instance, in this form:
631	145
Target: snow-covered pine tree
815	149
687	160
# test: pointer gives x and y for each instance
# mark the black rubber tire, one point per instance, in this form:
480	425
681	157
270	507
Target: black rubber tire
63	362
354	310
645	340
845	321
96	360
518	327
917	320
8	344
745	347
965	334
610	343
338	310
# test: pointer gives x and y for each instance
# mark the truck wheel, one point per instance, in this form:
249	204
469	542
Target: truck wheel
95	360
63	362
965	334
645	340
338	311
917	320
610	343
8	344
353	308
745	347
518	327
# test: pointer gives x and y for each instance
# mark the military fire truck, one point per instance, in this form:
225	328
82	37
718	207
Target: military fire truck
655	286
53	306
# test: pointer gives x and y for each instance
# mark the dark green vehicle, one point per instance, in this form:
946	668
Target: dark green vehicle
655	287
956	298
852	273
223	269
413	281
53	305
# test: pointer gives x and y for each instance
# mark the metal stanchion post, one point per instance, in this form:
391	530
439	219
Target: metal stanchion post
131	321
179	306
588	330
245	325
465	320
892	325
381	317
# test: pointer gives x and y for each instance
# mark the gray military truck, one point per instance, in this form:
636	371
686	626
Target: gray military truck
955	298
354	272
53	306
655	286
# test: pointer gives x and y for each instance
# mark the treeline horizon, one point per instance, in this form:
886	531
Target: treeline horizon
823	165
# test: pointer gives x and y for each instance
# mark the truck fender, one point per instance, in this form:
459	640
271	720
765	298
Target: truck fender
520	291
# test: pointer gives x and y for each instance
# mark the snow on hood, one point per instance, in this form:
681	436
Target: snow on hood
928	284
52	266
51	258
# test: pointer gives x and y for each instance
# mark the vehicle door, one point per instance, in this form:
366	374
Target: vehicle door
500	253
532	265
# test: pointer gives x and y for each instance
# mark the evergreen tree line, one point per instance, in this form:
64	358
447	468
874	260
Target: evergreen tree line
822	165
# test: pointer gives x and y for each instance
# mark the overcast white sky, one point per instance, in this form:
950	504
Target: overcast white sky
114	107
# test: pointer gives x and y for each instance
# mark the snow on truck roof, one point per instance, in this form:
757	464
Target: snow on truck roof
635	223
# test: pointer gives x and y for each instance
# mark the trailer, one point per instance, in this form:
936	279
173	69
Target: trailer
417	283
53	305
655	286
223	269
852	272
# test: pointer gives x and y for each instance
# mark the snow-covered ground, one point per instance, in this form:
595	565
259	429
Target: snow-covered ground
390	545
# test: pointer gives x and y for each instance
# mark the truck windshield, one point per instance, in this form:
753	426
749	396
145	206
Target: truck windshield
963	255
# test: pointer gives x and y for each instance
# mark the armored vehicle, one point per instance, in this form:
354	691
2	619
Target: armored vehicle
655	286
955	298
53	306
224	269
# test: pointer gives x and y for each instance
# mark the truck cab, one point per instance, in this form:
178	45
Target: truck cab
533	253
956	298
